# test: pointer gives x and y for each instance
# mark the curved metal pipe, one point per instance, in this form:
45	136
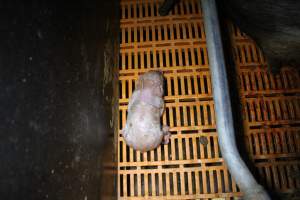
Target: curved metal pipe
236	165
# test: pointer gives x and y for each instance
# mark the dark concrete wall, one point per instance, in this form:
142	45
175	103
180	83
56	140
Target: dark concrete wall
57	99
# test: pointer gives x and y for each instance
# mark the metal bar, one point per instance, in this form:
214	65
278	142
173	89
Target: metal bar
236	166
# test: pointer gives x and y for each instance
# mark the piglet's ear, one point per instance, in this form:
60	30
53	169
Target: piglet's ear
140	83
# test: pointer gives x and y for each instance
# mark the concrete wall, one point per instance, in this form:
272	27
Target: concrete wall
58	98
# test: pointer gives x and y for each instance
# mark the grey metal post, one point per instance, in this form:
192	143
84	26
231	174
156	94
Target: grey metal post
236	165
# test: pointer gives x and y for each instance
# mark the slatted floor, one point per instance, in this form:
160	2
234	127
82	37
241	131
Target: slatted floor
191	165
271	116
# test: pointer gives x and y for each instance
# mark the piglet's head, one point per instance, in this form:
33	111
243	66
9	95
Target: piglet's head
152	80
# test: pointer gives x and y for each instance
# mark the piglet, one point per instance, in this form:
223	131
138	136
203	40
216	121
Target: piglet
143	130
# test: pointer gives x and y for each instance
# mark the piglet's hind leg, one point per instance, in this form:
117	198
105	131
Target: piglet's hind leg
167	134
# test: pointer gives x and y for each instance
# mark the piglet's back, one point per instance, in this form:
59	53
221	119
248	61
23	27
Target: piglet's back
142	130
